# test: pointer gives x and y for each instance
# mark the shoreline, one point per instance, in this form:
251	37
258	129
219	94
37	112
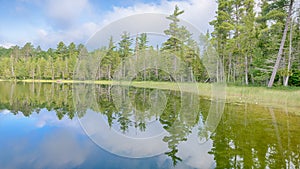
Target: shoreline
268	97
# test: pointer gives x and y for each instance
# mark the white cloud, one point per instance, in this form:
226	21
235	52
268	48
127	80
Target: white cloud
65	12
197	12
7	45
79	34
42	32
75	21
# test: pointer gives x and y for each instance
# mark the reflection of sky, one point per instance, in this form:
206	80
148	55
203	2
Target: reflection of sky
193	154
43	141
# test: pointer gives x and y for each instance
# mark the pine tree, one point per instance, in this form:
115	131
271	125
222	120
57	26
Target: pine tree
223	28
124	50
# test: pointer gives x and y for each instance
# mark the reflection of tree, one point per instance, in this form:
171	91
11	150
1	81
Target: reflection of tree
133	108
83	98
247	136
258	139
31	97
178	121
141	107
105	103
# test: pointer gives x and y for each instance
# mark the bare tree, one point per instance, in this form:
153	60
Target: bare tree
286	79
281	45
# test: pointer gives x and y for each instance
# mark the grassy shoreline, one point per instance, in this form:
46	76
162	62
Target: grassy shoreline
273	97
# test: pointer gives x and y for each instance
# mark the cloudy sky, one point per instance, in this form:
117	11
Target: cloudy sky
46	22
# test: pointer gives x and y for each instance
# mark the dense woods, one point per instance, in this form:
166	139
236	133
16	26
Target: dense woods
248	42
249	38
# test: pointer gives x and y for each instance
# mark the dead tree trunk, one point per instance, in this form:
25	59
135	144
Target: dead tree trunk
246	70
286	79
281	45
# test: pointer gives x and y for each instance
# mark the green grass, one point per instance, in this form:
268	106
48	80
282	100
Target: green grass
286	98
277	97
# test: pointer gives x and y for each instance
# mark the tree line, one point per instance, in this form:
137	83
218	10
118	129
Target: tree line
28	62
253	45
254	48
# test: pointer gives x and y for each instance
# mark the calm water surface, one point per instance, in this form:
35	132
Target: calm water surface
43	126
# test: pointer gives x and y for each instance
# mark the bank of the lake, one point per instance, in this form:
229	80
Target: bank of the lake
286	98
270	97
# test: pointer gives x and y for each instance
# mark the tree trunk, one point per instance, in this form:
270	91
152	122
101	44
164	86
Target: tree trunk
66	68
217	72
234	72
144	69
229	74
39	71
52	69
246	70
175	64
281	45
12	66
33	73
191	74
109	69
286	80
156	70
251	74
123	68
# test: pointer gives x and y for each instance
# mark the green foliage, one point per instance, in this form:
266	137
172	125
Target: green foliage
246	43
124	45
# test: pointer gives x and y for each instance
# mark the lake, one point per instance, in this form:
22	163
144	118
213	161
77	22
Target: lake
50	125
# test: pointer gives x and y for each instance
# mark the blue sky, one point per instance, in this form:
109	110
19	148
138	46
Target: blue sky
46	22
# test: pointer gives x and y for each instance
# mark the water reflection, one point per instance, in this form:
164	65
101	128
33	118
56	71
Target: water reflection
248	136
43	141
141	122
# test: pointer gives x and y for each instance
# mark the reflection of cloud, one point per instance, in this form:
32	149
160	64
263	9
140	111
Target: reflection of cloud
195	154
40	123
119	143
61	149
49	118
5	111
59	144
192	153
